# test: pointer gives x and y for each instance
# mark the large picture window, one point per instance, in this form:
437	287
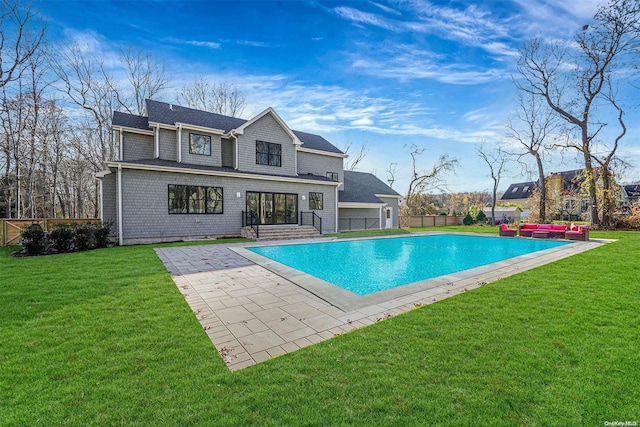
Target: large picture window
192	199
199	144
315	201
268	153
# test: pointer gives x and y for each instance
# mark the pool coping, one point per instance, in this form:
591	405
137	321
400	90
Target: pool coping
349	301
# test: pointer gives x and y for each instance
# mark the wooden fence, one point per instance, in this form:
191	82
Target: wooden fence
411	221
10	229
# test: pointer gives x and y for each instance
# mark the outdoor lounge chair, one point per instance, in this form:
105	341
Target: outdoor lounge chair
580	232
506	231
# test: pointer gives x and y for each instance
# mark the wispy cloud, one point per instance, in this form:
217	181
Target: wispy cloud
252	43
199	43
358	16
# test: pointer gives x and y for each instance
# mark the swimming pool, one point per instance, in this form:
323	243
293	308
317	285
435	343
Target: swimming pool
372	265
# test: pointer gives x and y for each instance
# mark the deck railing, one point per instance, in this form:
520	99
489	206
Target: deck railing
250	219
311	218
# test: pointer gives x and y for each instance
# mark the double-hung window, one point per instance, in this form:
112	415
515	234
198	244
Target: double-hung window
268	153
315	201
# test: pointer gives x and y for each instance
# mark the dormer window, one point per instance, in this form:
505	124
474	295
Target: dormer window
268	153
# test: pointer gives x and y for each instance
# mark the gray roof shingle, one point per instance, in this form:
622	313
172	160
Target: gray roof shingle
521	190
162	112
362	187
130	121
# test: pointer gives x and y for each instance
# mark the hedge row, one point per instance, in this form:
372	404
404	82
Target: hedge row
65	238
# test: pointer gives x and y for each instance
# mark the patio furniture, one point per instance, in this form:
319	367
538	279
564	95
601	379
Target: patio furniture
506	231
539	234
552	230
580	232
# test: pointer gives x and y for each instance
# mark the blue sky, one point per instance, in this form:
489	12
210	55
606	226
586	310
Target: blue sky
381	73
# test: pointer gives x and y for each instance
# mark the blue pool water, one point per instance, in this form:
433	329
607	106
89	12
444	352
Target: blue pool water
368	266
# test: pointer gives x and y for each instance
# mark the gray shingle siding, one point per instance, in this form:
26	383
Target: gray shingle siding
227	150
146	211
168	145
268	130
136	146
109	201
392	203
215	159
318	164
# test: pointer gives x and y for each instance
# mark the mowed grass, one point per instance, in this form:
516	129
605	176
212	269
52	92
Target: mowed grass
105	338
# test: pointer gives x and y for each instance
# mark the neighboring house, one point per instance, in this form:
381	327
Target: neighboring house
630	195
563	190
518	194
184	173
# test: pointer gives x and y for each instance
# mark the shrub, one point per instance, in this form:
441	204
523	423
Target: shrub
61	238
468	219
34	239
82	236
481	217
101	233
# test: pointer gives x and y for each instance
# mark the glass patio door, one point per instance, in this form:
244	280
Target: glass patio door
273	208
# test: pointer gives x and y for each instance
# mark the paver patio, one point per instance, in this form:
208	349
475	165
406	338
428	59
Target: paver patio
253	308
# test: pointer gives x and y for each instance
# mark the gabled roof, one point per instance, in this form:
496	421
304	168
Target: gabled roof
572	179
170	114
363	187
521	190
632	190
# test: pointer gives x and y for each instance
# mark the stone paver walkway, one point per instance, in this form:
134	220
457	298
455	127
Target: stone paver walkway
252	314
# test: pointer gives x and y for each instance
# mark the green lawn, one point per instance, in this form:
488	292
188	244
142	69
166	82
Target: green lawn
105	338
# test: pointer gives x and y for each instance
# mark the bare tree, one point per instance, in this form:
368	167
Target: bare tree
146	77
531	127
572	93
97	90
18	40
357	158
495	159
423	180
391	173
219	98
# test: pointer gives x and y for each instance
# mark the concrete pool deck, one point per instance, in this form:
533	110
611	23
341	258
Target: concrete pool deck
253	308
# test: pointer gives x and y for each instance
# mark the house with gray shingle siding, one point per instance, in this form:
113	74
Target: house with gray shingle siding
184	173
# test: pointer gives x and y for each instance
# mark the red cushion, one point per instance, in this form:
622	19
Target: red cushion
545	227
529	226
560	227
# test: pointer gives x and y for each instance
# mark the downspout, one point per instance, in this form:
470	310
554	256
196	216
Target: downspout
337	216
120	140
157	142
236	162
180	143
380	215
119	184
